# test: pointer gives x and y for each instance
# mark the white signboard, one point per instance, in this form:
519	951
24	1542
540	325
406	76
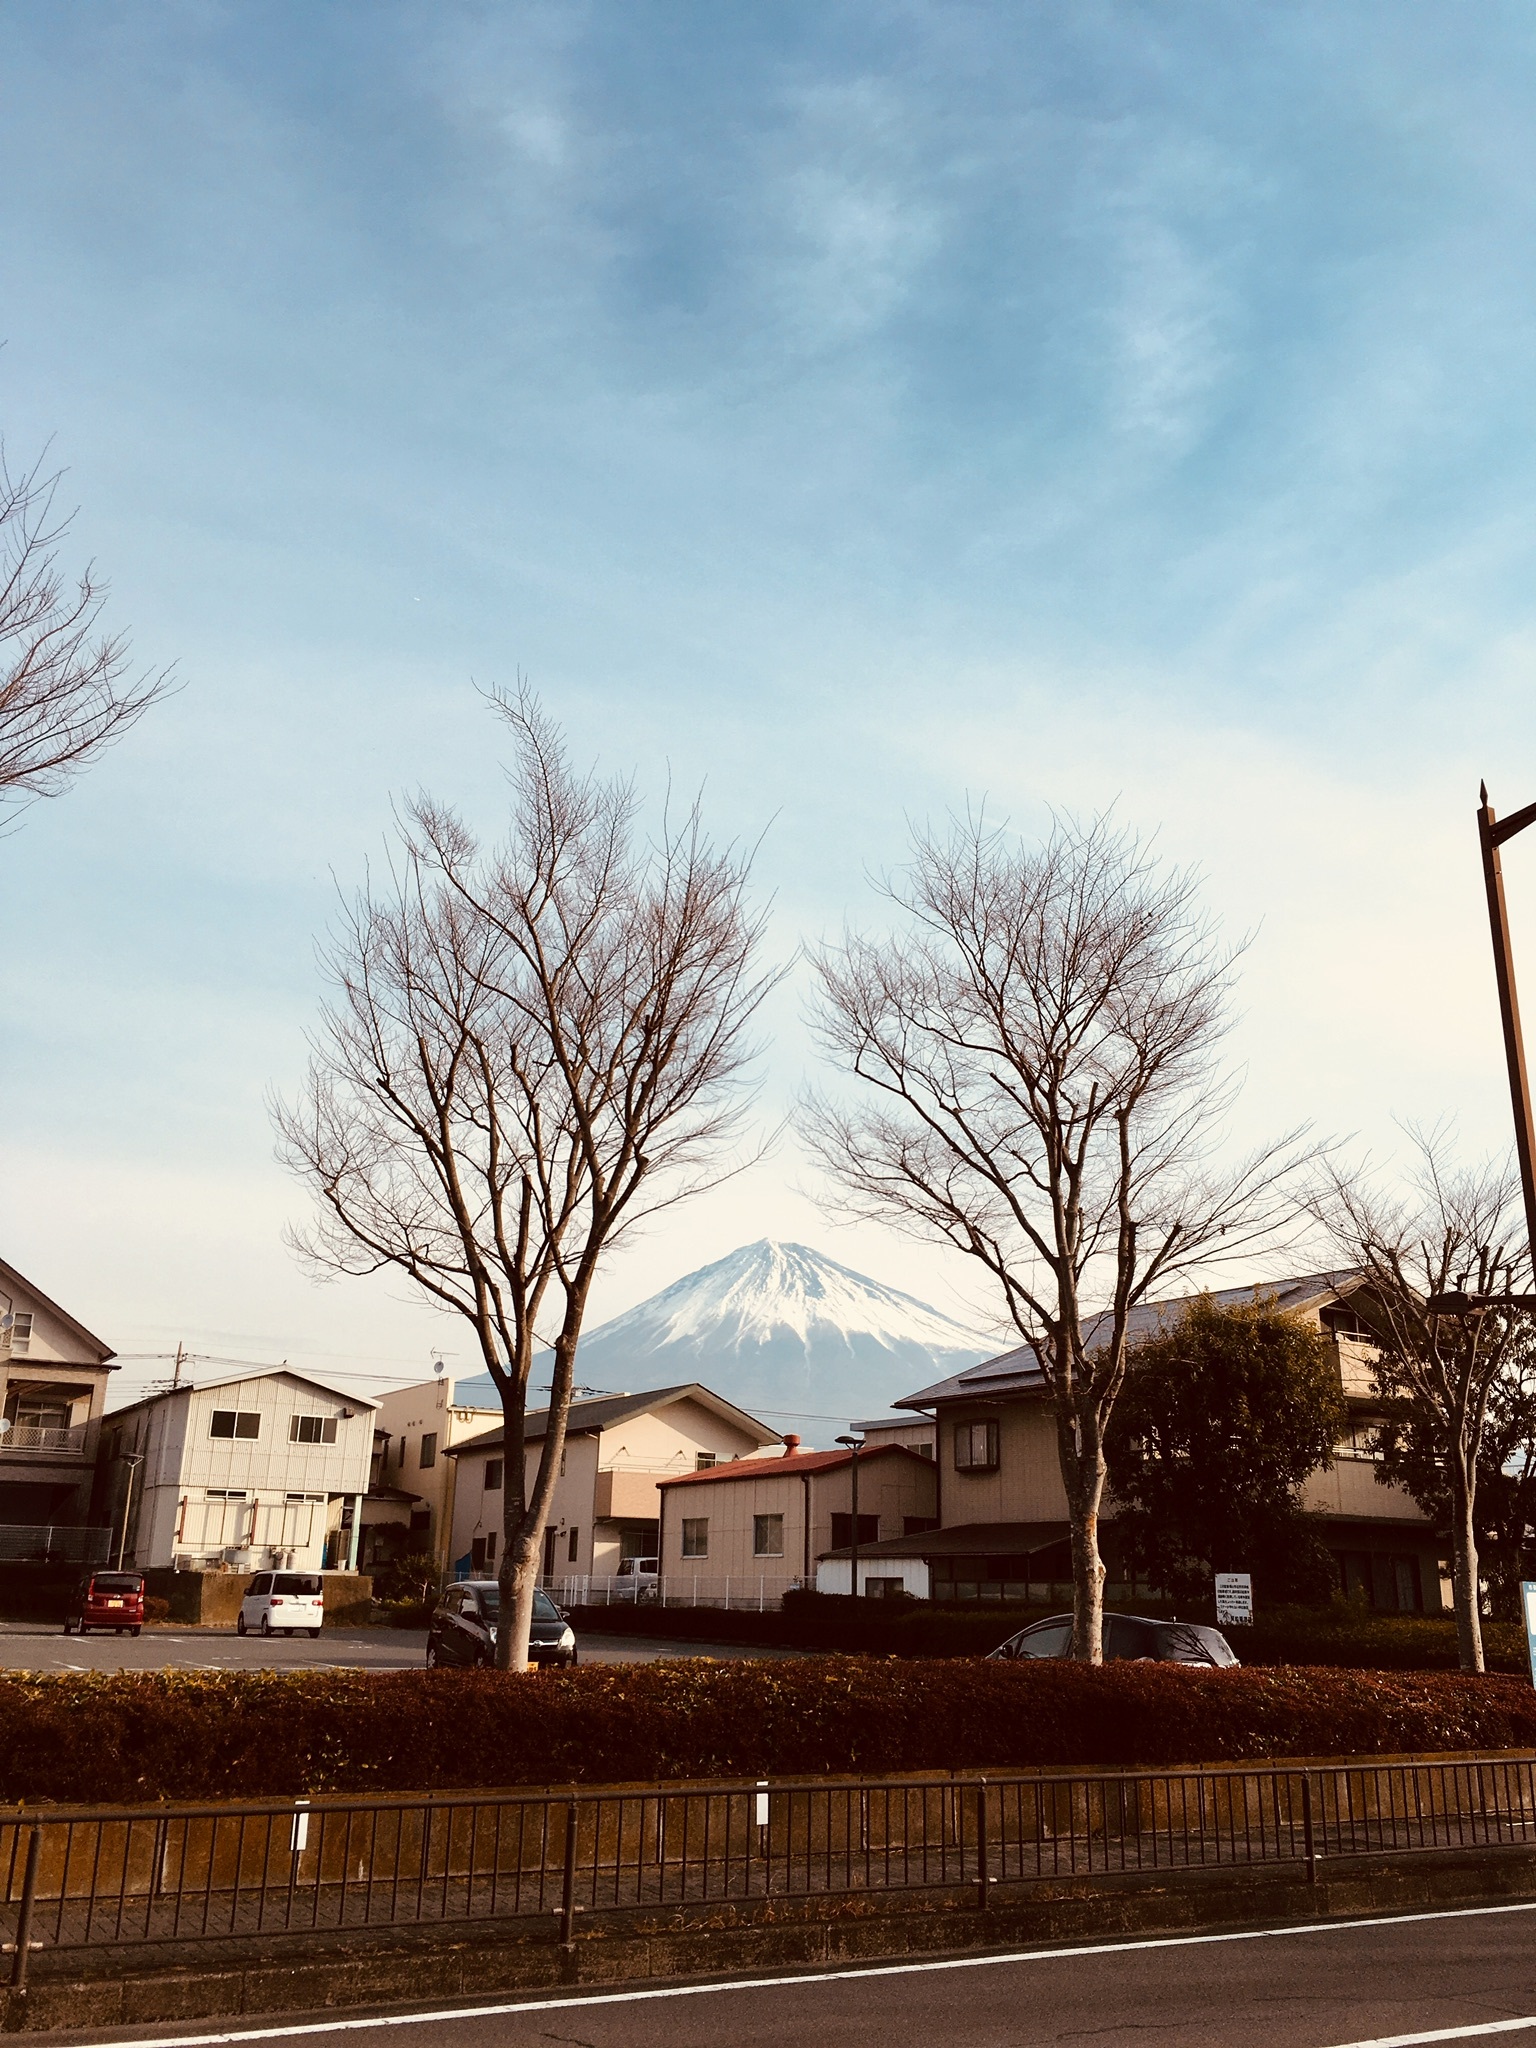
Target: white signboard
1234	1598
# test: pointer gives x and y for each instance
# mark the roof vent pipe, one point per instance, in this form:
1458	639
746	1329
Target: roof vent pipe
791	1445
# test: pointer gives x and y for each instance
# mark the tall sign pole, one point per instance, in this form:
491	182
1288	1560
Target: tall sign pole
1492	835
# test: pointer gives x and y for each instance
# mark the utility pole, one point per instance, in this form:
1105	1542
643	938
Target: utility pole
133	1462
1491	836
855	1445
181	1359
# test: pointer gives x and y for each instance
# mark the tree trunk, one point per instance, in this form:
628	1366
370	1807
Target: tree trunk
1084	1474
1464	1582
519	1578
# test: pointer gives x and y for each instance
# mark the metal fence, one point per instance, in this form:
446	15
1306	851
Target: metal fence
746	1592
183	1874
41	1543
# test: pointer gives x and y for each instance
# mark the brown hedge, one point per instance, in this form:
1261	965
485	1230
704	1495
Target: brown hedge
130	1736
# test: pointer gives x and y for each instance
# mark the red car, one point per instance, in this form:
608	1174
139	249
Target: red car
112	1600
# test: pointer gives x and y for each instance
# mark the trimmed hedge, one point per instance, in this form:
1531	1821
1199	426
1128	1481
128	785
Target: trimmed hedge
99	1738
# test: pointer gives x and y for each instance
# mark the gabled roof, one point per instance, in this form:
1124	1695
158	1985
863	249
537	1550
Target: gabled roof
598	1412
9	1277
796	1463
1016	1372
236	1379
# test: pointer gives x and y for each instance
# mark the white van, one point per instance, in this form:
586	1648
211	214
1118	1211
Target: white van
282	1603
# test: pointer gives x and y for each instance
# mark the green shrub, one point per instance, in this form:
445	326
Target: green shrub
98	1738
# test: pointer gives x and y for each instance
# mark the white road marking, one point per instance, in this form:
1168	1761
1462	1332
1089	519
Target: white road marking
1446	2034
1028	1955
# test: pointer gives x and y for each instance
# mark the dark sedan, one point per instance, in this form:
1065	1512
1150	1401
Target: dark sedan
463	1629
1127	1637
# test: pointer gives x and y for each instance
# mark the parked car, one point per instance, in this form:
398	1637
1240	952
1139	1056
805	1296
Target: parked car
1126	1637
638	1578
463	1629
112	1600
282	1604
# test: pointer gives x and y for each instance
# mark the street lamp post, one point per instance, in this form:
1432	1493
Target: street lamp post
1492	834
133	1461
855	1445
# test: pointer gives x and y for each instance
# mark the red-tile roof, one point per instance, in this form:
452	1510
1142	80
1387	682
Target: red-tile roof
776	1468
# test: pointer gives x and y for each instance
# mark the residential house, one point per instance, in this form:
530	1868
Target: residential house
414	1476
763	1522
1002	1513
259	1470
53	1388
607	1506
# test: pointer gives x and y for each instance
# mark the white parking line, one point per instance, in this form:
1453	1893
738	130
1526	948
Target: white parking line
990	1962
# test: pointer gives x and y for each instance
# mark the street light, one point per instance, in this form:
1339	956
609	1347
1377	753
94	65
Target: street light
133	1461
1491	834
855	1445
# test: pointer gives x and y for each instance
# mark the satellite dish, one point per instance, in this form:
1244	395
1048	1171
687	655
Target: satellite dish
437	1365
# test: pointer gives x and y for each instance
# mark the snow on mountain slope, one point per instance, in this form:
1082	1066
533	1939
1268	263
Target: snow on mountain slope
781	1330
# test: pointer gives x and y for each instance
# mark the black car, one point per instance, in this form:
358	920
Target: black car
463	1629
1126	1636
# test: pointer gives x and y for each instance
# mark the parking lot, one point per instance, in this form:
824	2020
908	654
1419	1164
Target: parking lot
35	1646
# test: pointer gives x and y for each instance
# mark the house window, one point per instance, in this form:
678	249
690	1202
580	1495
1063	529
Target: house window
705	1461
696	1537
245	1422
767	1535
493	1472
976	1446
842	1530
224	1493
429	1450
570	1549
312	1429
21	1335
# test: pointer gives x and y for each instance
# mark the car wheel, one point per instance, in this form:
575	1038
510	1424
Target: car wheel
574	1655
84	1630
240	1624
133	1631
314	1635
266	1625
69	1627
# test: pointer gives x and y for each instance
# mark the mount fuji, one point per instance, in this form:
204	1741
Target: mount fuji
782	1331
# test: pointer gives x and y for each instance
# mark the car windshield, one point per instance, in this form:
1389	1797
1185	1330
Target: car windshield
117	1582
296	1582
544	1609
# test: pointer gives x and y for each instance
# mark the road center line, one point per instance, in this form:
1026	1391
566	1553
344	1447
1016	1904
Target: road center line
1484	2027
1029	1955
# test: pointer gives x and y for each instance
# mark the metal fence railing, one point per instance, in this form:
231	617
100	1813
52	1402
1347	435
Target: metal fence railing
745	1592
42	1543
75	1880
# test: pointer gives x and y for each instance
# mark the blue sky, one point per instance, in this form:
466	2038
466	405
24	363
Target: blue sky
850	407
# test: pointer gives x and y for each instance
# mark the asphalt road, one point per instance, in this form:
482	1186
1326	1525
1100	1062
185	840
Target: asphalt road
1361	1984
34	1647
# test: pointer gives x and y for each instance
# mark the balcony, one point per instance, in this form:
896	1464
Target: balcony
29	1438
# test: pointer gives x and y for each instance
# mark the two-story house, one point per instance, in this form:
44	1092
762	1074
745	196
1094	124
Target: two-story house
606	1507
413	1484
53	1388
249	1473
1002	1511
761	1523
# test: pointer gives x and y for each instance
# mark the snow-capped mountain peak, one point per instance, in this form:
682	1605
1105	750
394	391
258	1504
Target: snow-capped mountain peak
767	1291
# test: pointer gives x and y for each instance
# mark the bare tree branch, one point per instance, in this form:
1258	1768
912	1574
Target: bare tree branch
65	688
528	1052
1039	1046
1449	1229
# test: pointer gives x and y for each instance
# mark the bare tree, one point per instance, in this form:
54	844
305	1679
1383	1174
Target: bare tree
529	1050
1041	1041
1452	1229
65	687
